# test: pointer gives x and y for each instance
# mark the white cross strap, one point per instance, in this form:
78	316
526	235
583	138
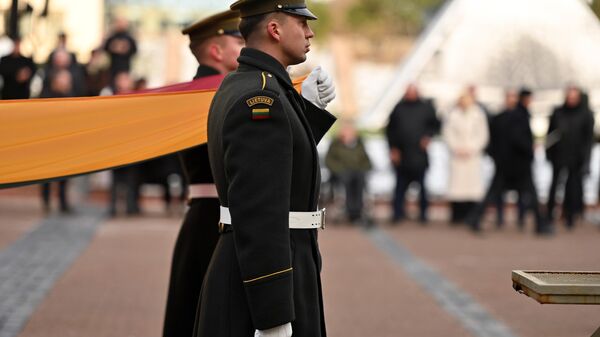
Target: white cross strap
298	220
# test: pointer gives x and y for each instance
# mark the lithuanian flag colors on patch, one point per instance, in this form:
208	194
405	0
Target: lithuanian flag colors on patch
261	114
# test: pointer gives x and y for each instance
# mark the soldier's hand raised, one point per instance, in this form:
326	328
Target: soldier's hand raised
318	88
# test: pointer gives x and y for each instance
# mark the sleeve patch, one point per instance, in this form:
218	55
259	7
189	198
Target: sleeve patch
261	114
259	100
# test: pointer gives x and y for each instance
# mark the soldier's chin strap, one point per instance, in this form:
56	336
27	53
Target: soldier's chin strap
46	139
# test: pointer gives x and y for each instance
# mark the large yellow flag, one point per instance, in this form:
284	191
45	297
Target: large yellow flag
42	139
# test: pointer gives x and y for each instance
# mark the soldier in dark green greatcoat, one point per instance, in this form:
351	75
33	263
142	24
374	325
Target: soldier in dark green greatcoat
216	43
264	277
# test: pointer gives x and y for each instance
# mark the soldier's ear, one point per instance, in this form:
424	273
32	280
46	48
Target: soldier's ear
273	30
216	52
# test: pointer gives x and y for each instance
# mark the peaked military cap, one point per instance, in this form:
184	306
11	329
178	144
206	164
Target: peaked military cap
224	23
257	7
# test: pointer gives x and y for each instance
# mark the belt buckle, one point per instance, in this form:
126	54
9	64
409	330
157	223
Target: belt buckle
323	214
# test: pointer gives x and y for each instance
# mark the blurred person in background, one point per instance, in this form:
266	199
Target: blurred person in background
515	157
140	84
61	45
124	179
17	72
154	171
216	43
472	90
97	72
121	84
120	46
465	132
411	125
62	60
569	145
347	159
61	84
498	129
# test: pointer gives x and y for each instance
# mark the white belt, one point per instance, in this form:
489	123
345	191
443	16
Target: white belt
298	220
202	191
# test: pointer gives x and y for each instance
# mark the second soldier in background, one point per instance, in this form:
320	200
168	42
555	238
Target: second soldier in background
216	43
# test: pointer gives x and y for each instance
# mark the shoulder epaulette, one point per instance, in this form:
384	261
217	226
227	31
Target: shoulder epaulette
269	83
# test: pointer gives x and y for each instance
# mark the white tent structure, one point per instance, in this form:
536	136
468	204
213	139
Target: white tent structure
497	44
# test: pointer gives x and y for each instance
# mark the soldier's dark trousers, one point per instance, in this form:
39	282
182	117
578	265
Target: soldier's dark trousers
460	210
521	211
354	184
127	178
62	195
403	180
500	211
524	185
573	196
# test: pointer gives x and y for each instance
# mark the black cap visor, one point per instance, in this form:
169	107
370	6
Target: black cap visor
235	33
300	12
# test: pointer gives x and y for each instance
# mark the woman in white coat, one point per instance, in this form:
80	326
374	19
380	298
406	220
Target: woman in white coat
466	135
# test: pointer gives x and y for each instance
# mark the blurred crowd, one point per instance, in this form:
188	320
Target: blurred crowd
470	132
108	72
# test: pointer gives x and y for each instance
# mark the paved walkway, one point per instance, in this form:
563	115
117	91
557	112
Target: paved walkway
30	266
368	295
116	288
20	212
396	281
482	267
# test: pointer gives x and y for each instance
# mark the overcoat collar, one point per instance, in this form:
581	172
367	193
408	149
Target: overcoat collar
258	59
205	71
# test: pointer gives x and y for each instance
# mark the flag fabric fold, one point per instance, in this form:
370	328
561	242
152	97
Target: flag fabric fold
45	139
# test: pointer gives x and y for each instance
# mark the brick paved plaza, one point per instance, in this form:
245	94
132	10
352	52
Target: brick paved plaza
86	275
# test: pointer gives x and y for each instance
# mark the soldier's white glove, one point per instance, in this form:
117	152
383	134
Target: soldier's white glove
318	88
280	331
